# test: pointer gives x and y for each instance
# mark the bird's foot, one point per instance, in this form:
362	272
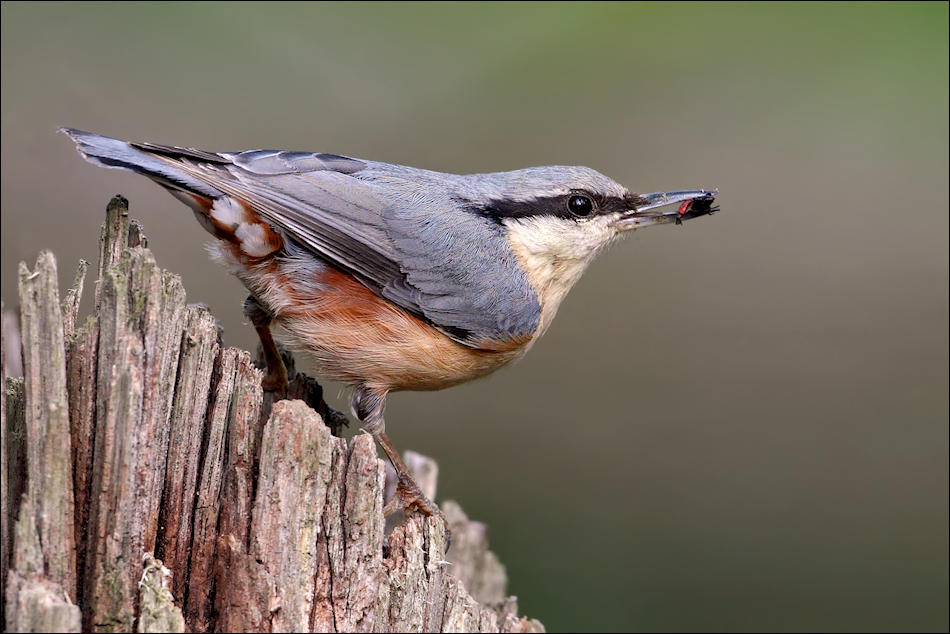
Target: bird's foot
410	498
276	382
408	495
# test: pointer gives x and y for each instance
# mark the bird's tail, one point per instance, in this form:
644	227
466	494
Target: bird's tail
116	154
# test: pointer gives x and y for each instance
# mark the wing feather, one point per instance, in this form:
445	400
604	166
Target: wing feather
477	295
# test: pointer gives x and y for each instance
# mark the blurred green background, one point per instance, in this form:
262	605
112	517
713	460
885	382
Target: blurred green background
737	424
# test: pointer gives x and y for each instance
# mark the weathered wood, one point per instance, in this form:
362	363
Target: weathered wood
472	562
140	310
116	526
137	235
72	300
49	456
353	524
199	591
81	375
157	609
291	494
34	603
14	482
233	591
198	351
113	239
6	515
264	519
39	605
416	573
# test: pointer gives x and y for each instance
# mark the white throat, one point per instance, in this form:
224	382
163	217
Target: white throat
554	253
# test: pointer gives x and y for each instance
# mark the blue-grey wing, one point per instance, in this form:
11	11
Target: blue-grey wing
452	268
332	214
461	273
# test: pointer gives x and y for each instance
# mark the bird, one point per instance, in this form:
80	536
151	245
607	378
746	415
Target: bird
392	277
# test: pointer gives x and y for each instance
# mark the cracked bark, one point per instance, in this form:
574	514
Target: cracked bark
136	435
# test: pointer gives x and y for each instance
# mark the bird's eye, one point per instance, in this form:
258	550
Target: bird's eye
580	205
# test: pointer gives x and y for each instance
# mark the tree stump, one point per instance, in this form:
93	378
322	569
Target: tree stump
149	485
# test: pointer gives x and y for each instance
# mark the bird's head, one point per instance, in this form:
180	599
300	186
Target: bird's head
557	219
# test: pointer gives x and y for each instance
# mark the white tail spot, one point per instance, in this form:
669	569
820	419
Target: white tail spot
229	212
254	240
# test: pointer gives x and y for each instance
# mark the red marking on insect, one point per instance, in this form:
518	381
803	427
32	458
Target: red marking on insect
696	207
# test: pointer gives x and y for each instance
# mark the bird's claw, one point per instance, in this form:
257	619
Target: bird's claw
276	382
410	498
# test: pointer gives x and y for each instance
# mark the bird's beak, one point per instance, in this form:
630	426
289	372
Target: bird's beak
653	209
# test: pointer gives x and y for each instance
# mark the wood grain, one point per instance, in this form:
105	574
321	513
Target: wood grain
149	481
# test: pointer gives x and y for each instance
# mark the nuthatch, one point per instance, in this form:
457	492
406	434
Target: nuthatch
391	277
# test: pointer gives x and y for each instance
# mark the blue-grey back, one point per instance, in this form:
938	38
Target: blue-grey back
411	235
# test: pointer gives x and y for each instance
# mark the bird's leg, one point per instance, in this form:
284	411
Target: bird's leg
368	406
276	378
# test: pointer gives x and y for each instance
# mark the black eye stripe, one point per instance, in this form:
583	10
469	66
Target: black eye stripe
554	206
